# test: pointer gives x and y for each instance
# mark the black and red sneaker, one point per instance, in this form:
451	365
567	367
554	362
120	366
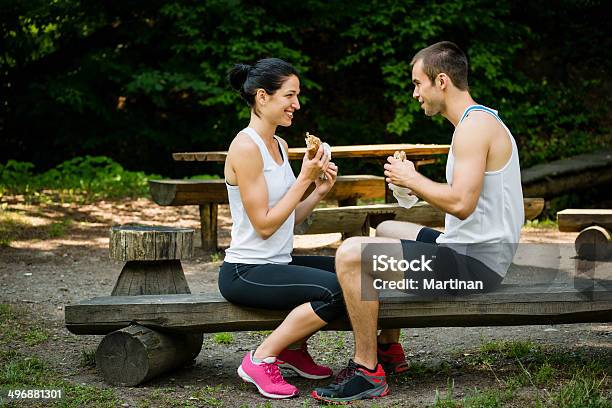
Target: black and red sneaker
353	383
391	356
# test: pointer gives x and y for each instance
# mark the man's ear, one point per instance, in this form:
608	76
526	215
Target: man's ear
442	80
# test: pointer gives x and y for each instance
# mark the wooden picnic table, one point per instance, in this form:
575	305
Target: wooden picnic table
413	152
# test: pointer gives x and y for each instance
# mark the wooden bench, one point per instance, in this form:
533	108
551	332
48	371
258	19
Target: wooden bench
361	218
594	241
137	327
208	194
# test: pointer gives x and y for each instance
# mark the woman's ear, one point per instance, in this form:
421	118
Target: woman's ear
261	96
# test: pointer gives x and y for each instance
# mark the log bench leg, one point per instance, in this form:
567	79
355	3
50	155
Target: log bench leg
363	231
151	278
208	222
594	243
135	354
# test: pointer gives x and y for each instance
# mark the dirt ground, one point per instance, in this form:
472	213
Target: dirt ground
40	275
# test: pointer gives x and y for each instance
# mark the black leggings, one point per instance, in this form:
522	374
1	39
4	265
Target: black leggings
279	286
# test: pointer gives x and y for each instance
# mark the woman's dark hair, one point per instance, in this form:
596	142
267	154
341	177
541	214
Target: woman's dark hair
268	74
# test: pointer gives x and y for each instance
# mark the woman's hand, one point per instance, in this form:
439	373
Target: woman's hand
312	168
324	186
399	172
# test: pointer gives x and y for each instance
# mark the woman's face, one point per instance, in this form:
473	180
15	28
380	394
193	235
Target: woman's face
280	107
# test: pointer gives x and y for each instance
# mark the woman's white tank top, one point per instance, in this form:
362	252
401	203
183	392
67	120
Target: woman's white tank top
247	246
492	232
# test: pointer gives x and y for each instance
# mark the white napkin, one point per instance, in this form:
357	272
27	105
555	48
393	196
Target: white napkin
403	196
326	152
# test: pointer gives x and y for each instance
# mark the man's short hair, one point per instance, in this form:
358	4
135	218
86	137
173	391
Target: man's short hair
444	57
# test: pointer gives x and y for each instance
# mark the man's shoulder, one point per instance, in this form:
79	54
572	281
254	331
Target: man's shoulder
478	125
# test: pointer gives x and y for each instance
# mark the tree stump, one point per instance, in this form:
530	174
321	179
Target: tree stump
153	256
153	259
594	243
135	354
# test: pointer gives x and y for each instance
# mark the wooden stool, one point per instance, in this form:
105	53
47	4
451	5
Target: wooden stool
153	256
153	259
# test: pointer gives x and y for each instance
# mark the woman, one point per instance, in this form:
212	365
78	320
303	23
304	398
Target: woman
265	204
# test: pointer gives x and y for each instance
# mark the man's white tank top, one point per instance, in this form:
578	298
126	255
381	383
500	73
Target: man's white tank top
247	246
495	225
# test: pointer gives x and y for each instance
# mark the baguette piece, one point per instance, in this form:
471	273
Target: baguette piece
312	145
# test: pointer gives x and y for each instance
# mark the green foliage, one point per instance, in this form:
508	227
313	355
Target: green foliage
223	338
81	179
136	82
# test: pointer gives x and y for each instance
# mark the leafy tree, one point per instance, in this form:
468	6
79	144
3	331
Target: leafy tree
137	80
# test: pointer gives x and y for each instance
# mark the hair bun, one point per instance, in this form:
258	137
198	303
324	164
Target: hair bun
238	75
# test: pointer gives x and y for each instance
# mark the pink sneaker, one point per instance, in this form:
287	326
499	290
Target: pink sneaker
302	363
266	376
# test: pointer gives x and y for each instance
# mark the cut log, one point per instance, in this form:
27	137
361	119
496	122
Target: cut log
151	278
594	243
353	219
150	243
568	175
208	223
153	256
574	220
136	354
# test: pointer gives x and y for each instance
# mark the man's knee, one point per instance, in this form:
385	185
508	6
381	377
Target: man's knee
384	229
348	255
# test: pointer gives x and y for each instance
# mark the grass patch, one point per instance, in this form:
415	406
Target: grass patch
59	228
545	223
18	371
13	329
209	396
223	338
331	340
88	358
583	390
524	366
498	351
11	225
35	336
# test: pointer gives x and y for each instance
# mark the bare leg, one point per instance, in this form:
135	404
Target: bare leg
300	323
399	230
363	314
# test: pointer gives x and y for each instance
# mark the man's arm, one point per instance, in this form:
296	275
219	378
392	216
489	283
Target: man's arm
470	149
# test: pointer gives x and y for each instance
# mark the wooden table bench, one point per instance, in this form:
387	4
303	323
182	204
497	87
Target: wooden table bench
594	241
208	194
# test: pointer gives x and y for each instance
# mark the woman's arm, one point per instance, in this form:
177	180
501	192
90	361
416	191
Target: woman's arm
323	187
245	159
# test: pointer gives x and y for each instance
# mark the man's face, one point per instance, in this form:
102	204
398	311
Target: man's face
427	93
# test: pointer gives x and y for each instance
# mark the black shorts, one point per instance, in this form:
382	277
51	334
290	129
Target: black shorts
281	287
447	265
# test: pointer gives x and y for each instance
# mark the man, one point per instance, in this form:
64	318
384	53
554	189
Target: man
483	202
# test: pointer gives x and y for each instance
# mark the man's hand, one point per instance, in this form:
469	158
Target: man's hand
398	172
